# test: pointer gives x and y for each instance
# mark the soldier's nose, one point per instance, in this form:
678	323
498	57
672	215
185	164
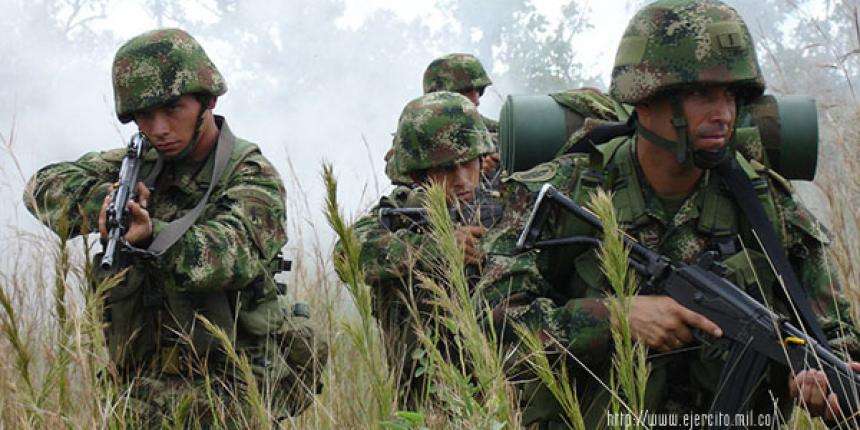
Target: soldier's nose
159	126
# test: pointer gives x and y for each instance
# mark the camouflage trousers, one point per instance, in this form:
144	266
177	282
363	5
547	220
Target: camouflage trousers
286	374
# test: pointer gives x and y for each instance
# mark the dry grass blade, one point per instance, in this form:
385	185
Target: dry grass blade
462	314
630	368
556	378
250	392
365	338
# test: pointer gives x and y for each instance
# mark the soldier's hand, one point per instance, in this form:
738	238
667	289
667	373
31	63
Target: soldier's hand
103	231
810	388
140	227
490	162
661	323
468	237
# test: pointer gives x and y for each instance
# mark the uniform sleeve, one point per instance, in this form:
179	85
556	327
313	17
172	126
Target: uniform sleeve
389	256
241	229
516	288
68	196
816	269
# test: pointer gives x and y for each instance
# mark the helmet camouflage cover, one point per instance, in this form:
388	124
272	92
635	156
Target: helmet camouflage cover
671	44
159	66
437	130
455	73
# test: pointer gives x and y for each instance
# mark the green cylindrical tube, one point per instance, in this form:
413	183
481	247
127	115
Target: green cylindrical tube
531	131
789	133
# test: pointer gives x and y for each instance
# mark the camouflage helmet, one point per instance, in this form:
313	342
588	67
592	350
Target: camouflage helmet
159	66
437	130
672	44
455	73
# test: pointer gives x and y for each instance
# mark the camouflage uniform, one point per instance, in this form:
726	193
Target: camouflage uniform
460	73
221	268
455	73
435	130
560	292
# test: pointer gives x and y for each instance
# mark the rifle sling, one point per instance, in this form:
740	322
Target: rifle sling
741	187
176	228
149	181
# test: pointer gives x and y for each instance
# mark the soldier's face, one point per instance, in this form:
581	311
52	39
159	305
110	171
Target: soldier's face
474	95
710	113
170	127
460	181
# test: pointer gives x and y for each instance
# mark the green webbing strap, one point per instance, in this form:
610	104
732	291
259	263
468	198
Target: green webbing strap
684	147
747	199
149	182
176	228
678	148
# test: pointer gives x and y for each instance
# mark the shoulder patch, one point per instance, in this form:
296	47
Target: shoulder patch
783	183
540	173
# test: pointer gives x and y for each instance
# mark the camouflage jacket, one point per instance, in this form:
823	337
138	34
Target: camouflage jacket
391	258
493	128
389	255
227	250
394	253
238	233
561	291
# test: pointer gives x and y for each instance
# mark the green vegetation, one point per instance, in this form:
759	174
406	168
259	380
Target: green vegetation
58	373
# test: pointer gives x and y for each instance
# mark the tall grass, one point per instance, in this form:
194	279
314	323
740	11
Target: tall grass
364	337
54	374
554	376
57	373
629	363
476	395
472	388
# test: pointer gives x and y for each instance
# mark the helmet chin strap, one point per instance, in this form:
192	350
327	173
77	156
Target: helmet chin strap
195	138
682	148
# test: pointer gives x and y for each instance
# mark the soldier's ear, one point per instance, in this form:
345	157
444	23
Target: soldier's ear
211	103
643	113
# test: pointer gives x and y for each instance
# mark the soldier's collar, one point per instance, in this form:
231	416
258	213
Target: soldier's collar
192	175
651	204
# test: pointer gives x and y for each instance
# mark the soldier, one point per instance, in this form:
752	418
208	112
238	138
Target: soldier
686	66
221	268
440	137
464	74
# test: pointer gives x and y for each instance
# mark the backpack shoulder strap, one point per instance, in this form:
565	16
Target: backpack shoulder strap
741	187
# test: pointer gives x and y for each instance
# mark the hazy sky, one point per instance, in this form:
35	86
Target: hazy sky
302	127
61	104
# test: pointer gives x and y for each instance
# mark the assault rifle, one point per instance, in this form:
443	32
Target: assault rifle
415	219
700	287
117	211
